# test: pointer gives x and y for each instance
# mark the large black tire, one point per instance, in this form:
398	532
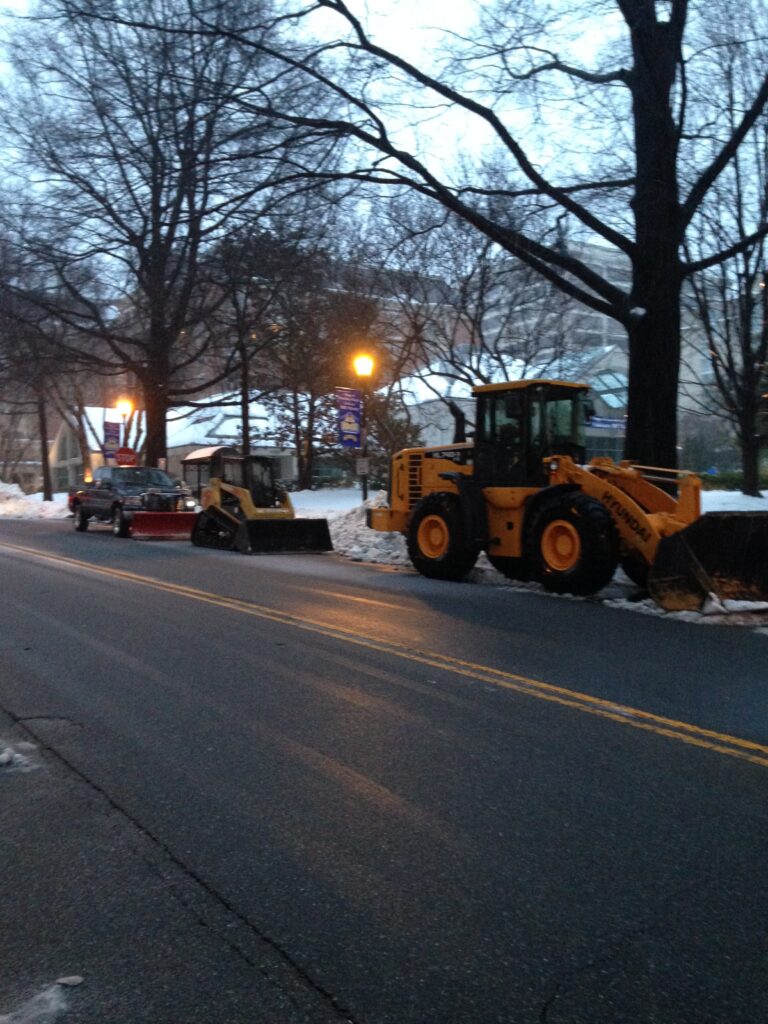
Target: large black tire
121	527
572	544
436	541
636	569
81	519
512	568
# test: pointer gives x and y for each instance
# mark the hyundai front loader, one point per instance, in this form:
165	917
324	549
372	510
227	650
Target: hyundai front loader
520	492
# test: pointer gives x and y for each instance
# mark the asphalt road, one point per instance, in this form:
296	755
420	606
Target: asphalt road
288	788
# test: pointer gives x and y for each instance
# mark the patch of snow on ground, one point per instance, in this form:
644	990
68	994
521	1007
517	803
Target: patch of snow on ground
44	1008
13	760
15	504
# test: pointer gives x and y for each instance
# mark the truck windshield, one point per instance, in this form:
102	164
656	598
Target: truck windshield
142	477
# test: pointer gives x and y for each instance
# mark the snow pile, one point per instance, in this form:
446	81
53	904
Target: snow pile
732	501
352	538
15	504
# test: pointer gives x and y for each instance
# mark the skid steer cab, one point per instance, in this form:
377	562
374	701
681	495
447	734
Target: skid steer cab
244	508
520	492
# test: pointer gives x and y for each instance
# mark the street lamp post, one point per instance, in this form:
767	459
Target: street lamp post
363	365
124	408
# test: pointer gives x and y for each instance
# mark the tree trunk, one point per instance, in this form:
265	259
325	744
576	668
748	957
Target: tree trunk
155	410
750	465
654	320
245	410
155	388
42	426
654	360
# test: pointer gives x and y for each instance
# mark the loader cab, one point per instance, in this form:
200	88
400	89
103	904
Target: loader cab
518	425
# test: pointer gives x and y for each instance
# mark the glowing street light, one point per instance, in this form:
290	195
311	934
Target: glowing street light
363	365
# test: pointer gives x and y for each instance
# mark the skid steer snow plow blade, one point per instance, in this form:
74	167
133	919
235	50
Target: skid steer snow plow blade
722	554
276	535
162	525
215	528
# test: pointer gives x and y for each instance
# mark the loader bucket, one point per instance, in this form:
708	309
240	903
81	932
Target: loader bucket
264	536
162	525
722	554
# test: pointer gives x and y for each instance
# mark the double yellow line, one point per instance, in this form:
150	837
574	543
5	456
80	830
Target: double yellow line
682	732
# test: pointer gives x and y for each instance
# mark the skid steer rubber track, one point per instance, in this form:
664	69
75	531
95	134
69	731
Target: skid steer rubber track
722	555
215	529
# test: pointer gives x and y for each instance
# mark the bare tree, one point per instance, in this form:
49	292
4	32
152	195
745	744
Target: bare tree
28	365
614	148
473	314
141	160
730	300
319	319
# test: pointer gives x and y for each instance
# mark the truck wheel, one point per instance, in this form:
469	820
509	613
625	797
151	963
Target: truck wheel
572	544
435	539
120	525
81	519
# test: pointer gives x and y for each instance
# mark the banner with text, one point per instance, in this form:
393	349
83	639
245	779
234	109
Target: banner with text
111	440
349	408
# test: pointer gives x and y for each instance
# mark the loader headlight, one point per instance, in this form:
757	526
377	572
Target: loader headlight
554	465
189	503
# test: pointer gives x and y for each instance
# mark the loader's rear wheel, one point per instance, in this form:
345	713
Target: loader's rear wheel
572	544
436	542
512	568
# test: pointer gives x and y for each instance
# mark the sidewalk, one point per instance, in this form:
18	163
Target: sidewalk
85	894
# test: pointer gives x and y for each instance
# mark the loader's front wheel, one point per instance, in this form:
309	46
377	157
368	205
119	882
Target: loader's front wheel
572	544
436	542
636	569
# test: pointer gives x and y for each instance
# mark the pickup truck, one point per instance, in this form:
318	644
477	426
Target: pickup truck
116	492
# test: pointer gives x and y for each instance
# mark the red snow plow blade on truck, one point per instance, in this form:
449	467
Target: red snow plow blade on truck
162	525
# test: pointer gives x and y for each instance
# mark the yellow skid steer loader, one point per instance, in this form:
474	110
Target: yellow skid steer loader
520	492
244	509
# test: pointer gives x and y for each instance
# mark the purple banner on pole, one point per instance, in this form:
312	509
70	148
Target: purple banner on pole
111	440
349	414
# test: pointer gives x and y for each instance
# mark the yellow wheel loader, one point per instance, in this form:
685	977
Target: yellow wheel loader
244	509
520	492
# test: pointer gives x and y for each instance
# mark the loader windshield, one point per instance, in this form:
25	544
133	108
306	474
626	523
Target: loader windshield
557	424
